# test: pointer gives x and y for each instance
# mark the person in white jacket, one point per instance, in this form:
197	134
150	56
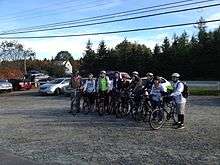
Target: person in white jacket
180	101
90	89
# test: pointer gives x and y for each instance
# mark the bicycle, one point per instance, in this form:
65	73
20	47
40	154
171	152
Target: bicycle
165	111
101	104
121	105
75	101
127	104
87	105
113	103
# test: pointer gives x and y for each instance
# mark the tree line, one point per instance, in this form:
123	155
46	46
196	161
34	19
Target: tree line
195	58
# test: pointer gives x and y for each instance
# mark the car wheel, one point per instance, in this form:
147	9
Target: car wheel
58	91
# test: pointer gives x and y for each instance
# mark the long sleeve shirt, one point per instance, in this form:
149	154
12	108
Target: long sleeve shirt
156	92
177	93
90	86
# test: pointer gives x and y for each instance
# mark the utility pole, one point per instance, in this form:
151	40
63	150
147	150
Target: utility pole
25	66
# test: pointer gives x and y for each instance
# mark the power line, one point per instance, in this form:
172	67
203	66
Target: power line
116	20
109	16
113	32
55	12
42	7
102	16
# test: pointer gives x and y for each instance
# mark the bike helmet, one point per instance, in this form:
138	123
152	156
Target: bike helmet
177	75
135	73
104	72
150	74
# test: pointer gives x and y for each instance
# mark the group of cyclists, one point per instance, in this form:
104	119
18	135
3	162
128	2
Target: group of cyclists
110	91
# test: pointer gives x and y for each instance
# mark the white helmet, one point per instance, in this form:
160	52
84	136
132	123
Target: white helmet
135	73
103	72
150	74
175	75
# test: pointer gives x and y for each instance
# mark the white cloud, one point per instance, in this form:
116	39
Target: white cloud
214	17
46	48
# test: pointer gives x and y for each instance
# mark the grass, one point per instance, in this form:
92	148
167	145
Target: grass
204	92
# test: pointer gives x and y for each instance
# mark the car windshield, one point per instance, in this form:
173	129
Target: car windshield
56	81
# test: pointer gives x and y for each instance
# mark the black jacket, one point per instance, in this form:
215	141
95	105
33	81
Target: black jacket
117	84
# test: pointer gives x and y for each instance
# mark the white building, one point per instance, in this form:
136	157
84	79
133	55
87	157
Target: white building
68	66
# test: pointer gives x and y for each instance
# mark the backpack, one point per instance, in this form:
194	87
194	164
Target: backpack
185	92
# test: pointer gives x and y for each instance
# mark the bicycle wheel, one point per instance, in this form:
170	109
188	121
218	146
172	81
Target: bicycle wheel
86	106
111	108
101	109
138	115
125	108
146	113
73	107
157	119
118	110
174	115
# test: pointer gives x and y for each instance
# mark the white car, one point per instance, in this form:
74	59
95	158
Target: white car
5	85
40	76
165	83
54	87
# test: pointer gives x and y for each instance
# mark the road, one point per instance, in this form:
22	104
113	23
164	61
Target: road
40	129
208	85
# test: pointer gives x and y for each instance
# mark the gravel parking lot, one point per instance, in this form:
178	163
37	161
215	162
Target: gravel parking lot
40	128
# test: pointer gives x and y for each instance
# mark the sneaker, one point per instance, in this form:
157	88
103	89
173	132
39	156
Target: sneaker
176	123
181	126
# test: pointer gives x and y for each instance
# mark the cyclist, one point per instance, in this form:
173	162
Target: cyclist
89	90
125	82
76	84
125	85
103	87
149	83
136	82
116	87
136	87
157	92
180	101
117	81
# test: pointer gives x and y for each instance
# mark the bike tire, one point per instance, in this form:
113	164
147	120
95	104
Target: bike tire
111	108
86	107
125	109
175	116
73	107
147	112
101	108
138	115
157	119
118	111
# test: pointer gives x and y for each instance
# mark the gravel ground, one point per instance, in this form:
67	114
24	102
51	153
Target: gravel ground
39	128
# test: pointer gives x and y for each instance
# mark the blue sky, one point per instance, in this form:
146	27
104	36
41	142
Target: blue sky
26	13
